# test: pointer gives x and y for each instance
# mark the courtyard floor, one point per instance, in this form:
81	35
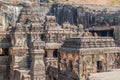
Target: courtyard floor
112	75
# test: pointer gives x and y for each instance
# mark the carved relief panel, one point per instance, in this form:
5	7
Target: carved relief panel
20	40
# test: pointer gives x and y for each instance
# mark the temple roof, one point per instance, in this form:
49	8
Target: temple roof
90	45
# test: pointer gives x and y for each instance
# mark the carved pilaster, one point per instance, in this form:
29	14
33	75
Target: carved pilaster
37	65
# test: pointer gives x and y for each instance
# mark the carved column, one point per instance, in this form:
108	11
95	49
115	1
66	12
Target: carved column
37	65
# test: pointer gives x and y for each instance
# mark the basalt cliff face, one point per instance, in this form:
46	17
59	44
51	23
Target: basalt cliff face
100	2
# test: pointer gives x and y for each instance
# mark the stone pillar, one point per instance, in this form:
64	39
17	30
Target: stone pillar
50	53
37	65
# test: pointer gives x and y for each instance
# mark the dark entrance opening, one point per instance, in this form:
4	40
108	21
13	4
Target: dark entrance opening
5	51
54	78
55	53
103	33
99	66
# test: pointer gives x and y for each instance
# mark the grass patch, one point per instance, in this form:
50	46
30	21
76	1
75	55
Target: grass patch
114	2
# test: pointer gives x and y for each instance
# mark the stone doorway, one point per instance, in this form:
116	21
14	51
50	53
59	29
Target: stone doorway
99	66
5	51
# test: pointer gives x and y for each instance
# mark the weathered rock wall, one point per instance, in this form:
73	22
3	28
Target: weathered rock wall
86	15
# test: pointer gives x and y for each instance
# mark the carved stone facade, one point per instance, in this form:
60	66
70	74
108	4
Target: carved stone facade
32	33
79	57
37	66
